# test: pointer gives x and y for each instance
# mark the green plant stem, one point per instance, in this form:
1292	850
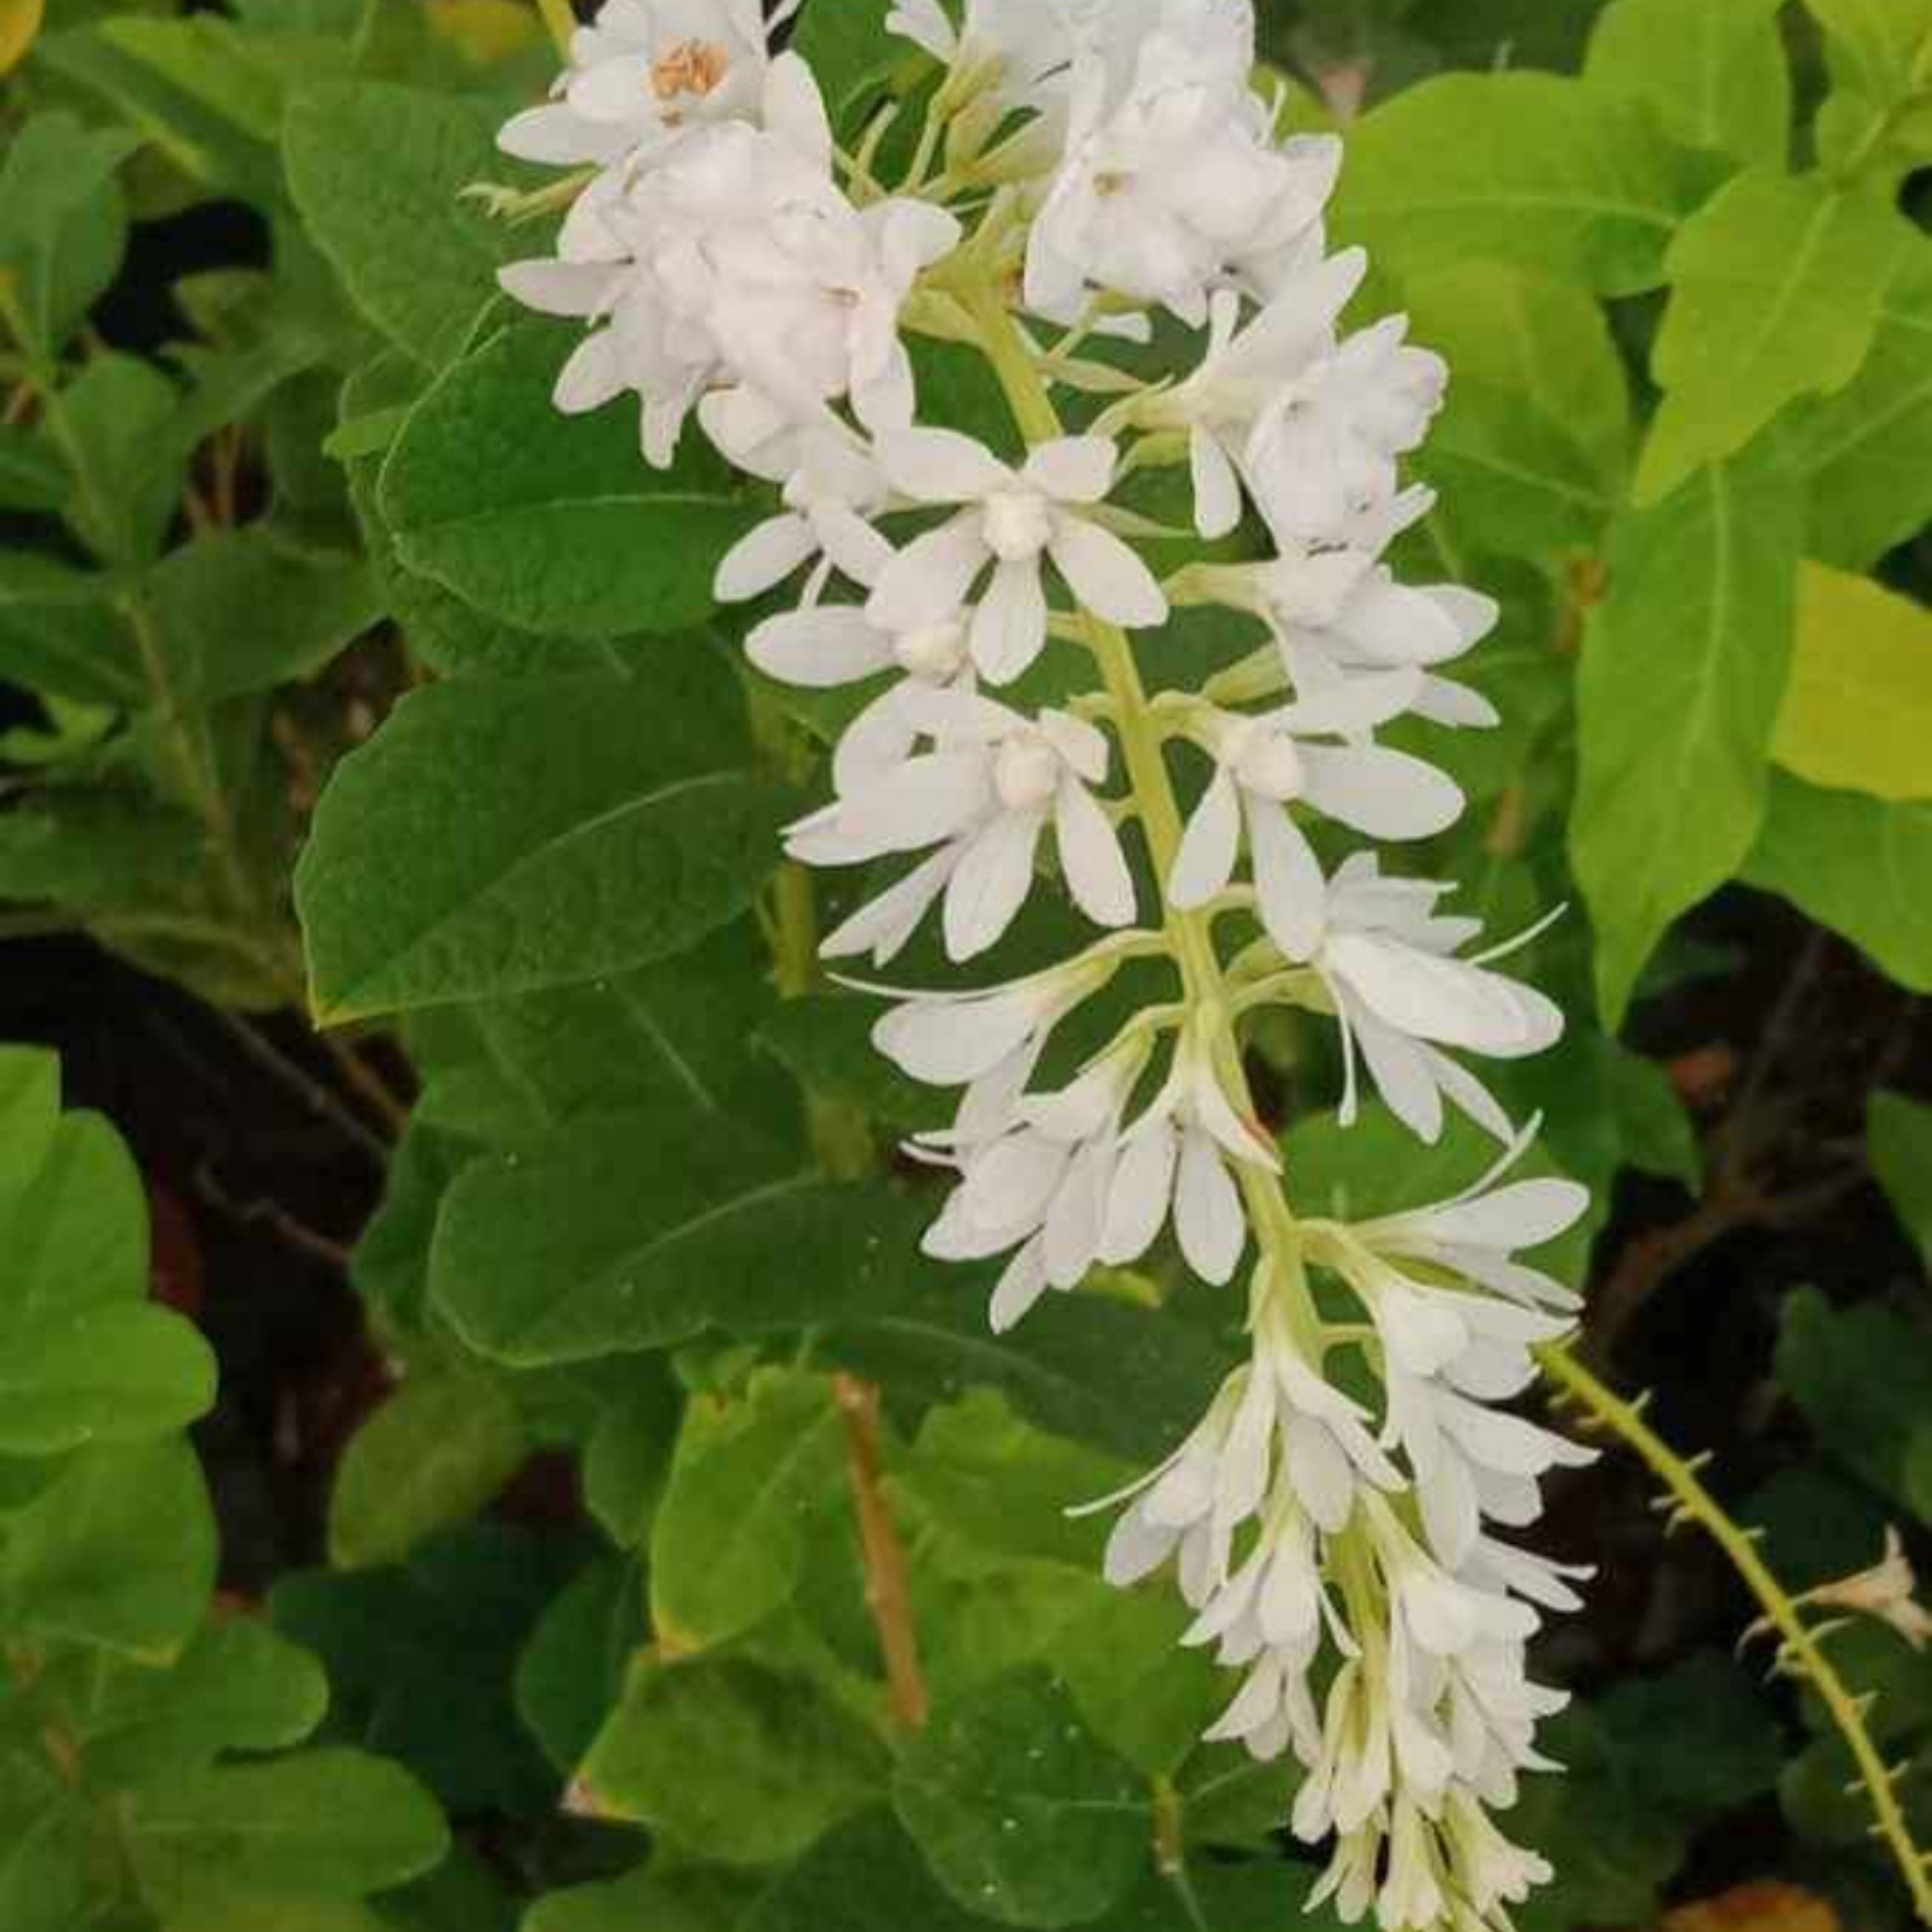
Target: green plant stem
1190	934
1802	1646
560	20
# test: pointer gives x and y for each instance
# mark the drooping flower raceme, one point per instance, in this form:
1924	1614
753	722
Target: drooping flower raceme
1345	1521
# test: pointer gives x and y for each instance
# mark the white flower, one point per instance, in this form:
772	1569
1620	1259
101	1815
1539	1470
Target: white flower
1032	41
1323	451
738	261
832	487
642	73
1263	764
1384	955
1244	371
1010	521
1888	1590
1173	183
987	792
1175	1158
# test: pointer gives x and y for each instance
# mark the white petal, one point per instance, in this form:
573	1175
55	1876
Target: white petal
1106	576
1387	794
940	466
1074	469
1287	877
1217	489
1397	1065
820	648
763	558
884	927
594	373
1358	704
1323	1478
880	739
1010	627
1091	858
1439	1000
560	288
928	581
1525	1214
1073	1222
1209	847
794	107
1207	1215
947	1043
1022	1285
1142	1192
991	884
927	799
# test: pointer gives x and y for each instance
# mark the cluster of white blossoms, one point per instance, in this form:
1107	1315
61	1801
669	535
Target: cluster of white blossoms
1072	182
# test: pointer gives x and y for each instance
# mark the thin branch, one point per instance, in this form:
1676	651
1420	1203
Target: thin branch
1803	1650
888	1591
320	1101
271	1215
389	1106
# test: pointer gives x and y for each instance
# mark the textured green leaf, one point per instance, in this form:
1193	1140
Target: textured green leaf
1685	668
826	1041
1545	173
1024	1817
734	1762
1530	452
46	1874
1776	287
604	822
848	50
1858	715
554	523
692	1900
118	1551
338	1822
1137	1689
1860	1376
95	851
1859	865
628	1458
241	612
570	1673
632	1231
868	1877
1714	70
730	1538
378	173
238	1687
1899	1133
63	224
1866	451
435	1454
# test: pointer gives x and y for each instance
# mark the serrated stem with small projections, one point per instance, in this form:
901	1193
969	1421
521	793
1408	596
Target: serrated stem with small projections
1802	1644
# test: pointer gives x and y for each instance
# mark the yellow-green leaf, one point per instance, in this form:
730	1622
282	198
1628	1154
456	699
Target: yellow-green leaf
20	24
1857	716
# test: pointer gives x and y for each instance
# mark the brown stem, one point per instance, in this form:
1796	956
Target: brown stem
888	1591
271	1059
382	1099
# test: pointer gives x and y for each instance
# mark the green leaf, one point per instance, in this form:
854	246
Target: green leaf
826	1043
1684	668
208	94
1530	452
61	633
1866	451
63	225
95	851
635	1231
554	523
1138	1690
1857	716
118	1551
750	1475
434	1454
122	425
378	172
1880	52
1777	288
47	1877
692	1900
337	1822
238	1687
628	1459
734	1762
32	476
849	51
1714	70
607	822
84	1356
570	1673
1899	1134
1024	1817
1856	864
1539	172
241	612
1859	1375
